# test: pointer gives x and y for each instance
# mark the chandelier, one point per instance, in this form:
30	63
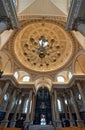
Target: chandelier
43	47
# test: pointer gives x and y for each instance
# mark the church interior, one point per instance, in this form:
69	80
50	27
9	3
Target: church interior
42	64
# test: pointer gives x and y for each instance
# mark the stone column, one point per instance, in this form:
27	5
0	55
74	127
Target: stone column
72	123
53	107
13	120
57	116
53	110
81	28
64	108
3	92
81	92
8	110
3	26
79	123
33	107
27	121
22	106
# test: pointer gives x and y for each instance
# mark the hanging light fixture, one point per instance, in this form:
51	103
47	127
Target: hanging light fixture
43	47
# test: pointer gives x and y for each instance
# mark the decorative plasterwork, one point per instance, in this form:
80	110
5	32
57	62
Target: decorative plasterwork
27	17
55	29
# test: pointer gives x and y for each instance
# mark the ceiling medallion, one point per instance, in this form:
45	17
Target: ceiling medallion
43	46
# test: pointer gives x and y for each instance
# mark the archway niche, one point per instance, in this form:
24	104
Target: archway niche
43	114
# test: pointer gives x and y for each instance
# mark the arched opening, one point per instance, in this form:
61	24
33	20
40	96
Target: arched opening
79	66
43	107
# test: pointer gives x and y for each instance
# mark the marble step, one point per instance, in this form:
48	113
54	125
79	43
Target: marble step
41	127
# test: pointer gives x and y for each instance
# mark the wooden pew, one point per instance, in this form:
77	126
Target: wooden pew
10	129
72	128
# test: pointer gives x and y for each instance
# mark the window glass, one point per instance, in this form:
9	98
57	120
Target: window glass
20	101
69	75
6	96
66	102
79	97
16	75
26	79
59	105
25	106
15	2
60	79
43	121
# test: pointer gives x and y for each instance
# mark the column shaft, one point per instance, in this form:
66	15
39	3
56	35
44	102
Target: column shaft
76	108
3	92
64	108
56	110
70	114
81	92
8	109
53	108
28	114
21	106
27	121
33	107
13	120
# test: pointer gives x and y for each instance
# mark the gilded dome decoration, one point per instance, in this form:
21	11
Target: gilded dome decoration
43	45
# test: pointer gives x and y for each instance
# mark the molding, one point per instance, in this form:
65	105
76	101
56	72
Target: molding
30	85
27	17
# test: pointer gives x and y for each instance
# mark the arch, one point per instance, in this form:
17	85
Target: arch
65	75
79	64
21	75
5	63
43	81
42	87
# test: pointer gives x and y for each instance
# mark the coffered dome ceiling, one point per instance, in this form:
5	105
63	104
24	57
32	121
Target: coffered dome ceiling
43	45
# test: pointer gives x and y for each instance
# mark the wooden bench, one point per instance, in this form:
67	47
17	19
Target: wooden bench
72	128
10	129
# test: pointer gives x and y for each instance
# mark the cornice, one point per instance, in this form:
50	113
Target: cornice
30	85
